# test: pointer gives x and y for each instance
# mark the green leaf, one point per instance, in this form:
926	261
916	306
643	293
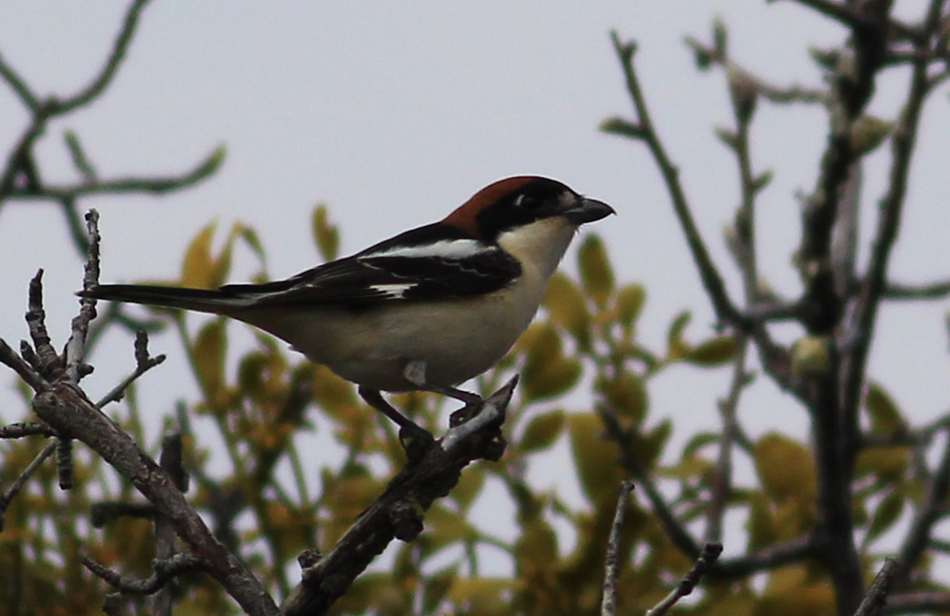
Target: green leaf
596	274
699	441
650	444
713	352
541	432
885	415
325	234
197	269
888	512
676	346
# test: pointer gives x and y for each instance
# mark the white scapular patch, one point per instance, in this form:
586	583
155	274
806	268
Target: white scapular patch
448	249
395	290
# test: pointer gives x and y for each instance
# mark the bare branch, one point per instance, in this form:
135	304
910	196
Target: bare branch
927	515
20	481
165	551
129	185
707	558
143	363
876	597
712	280
119	48
30	376
27	428
75	351
67	410
48	363
773	93
898	291
18	85
766	559
396	514
608	606
918	602
166	569
631	462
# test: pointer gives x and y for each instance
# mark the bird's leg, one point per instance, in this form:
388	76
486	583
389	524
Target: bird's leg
415	373
414	438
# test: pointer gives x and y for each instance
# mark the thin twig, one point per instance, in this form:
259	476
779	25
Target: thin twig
20	481
707	558
898	291
120	186
24	429
18	85
773	93
119	48
143	363
876	597
75	351
30	376
608	605
631	462
712	280
166	569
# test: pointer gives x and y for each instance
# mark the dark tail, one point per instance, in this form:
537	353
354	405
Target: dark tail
200	300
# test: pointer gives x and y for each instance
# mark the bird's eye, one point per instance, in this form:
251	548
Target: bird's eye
525	202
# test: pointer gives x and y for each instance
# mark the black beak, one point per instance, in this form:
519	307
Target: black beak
588	210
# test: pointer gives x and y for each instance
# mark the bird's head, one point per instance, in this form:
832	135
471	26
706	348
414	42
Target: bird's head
520	201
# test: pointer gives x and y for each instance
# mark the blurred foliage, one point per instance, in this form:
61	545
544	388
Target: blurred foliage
272	410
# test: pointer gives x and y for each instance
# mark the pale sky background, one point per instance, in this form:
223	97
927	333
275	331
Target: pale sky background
393	114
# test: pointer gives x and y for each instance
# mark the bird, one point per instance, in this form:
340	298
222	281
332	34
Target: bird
427	309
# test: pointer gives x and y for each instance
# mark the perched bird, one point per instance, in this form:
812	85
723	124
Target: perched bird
425	310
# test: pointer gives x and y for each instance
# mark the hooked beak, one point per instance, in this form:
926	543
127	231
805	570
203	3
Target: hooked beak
588	210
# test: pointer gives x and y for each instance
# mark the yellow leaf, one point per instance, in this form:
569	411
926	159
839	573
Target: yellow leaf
469	487
325	234
596	459
886	464
546	372
482	595
444	527
550	378
786	468
197	270
207	354
334	395
596	274
536	549
626	395
565	302
541	432
713	352
630	300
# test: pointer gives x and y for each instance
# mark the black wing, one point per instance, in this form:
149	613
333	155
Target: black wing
383	274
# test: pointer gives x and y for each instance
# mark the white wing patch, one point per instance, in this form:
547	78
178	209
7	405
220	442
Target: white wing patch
446	249
395	290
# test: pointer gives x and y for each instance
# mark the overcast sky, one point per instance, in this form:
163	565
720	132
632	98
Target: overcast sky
395	113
